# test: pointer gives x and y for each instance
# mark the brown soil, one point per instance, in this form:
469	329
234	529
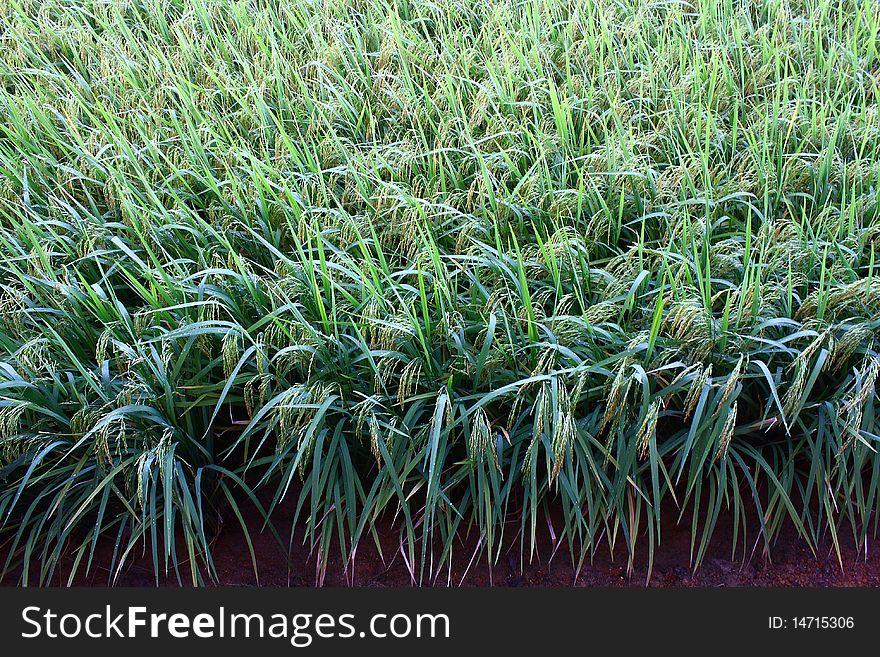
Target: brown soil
789	563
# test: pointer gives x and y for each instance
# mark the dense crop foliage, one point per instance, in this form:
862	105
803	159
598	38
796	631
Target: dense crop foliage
454	263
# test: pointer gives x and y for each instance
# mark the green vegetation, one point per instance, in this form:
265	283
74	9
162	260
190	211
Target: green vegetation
451	263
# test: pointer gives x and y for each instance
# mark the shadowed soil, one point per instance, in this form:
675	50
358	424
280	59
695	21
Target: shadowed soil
790	561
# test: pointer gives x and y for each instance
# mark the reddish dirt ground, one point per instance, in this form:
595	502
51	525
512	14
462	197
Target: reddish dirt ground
791	563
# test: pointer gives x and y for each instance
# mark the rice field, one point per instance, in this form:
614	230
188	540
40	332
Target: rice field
484	270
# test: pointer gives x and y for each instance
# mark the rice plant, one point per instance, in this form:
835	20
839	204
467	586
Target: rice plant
474	267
